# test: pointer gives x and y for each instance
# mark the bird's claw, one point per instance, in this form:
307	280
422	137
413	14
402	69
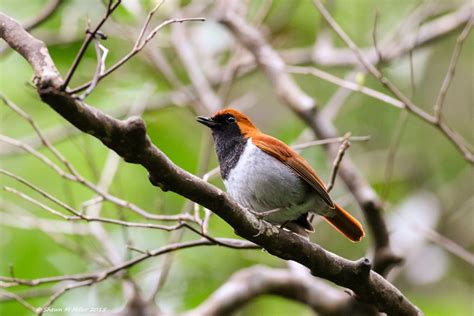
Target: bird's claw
261	228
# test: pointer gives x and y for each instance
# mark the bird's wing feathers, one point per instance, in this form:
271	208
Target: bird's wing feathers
293	160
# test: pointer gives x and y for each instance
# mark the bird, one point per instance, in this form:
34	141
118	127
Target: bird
266	176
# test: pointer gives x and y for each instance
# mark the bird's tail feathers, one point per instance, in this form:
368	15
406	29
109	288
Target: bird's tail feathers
346	224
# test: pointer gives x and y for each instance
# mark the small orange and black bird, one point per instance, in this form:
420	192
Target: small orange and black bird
263	174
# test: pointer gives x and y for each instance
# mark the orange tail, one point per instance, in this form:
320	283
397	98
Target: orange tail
346	224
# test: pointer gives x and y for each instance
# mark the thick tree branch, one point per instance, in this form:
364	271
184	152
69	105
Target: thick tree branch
249	283
129	139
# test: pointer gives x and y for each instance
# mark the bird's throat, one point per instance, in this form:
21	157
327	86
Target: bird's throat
229	148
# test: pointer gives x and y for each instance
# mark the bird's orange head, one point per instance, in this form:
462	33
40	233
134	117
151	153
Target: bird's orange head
227	119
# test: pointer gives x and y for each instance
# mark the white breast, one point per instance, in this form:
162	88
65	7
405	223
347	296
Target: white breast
261	182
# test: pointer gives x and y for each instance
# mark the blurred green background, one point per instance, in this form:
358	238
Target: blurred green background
430	177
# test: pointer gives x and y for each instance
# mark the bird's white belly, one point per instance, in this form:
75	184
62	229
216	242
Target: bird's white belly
261	182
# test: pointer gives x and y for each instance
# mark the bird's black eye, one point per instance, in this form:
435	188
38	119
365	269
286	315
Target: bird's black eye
230	119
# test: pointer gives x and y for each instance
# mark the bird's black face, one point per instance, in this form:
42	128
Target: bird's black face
224	126
228	138
218	122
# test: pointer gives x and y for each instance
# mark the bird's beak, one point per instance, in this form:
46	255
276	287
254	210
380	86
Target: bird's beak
209	122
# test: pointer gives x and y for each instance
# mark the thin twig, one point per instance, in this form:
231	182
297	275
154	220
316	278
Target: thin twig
102	275
417	15
34	293
103	195
35	153
446	243
60	292
345	84
400	127
33	201
438	107
335	167
90	35
374	37
147	22
166	265
79	216
452	136
330	141
27	221
392	151
37	130
19	299
136	49
101	53
74	174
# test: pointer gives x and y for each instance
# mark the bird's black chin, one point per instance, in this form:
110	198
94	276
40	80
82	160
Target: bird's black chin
209	122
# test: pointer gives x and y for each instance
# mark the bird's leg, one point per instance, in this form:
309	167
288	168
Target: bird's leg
260	216
264	214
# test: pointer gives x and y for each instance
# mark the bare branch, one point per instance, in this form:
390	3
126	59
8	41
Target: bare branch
451	69
60	292
90	35
19	299
48	226
374	37
136	49
330	141
74	175
448	244
346	84
101	53
429	32
102	275
247	284
392	150
34	293
452	136
35	153
147	22
87	218
342	150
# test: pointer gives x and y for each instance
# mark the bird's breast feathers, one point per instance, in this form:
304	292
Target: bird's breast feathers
261	182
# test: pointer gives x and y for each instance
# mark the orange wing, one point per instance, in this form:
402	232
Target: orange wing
293	160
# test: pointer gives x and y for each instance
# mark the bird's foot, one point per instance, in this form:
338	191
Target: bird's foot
261	228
